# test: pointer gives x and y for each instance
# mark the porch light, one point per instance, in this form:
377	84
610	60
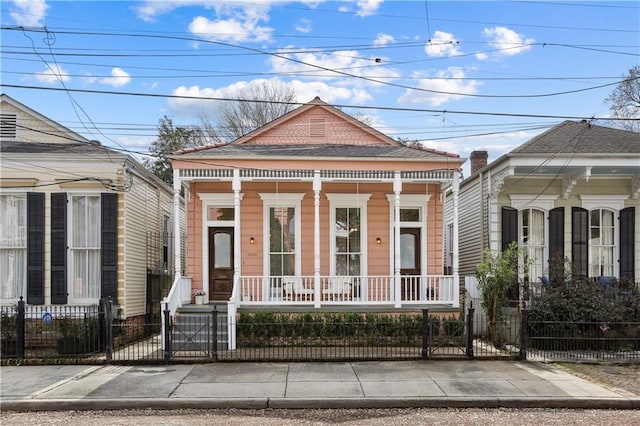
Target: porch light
252	240
378	240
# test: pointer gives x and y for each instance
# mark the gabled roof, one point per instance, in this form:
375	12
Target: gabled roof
292	136
572	137
65	134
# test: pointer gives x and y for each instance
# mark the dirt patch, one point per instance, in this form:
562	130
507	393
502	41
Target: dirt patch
623	376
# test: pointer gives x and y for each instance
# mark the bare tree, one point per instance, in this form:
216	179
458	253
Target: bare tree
625	100
258	103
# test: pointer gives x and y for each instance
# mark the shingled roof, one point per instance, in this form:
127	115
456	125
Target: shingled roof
572	137
316	151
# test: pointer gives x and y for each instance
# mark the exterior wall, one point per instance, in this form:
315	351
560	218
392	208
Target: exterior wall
144	207
42	131
471	225
335	130
252	222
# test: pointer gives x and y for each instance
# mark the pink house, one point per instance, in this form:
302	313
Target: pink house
318	210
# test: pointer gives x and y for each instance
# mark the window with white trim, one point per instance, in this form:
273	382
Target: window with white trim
13	245
532	242
348	247
601	242
282	241
84	247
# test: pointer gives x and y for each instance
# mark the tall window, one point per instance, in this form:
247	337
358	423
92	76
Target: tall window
532	242
601	243
282	241
348	248
84	247
13	245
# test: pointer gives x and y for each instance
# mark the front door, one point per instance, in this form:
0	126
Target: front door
410	263
220	263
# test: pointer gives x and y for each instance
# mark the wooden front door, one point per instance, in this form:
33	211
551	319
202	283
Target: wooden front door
410	263
220	263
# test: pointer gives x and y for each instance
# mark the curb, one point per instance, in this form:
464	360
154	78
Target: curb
317	403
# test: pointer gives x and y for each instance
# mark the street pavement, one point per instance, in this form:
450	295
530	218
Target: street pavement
394	384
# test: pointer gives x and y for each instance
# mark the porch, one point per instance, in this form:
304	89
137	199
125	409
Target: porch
355	291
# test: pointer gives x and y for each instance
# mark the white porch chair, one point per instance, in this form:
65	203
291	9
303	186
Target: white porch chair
294	290
338	289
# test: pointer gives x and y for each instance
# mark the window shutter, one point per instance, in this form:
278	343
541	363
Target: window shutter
59	248
35	248
627	234
509	227
109	246
556	234
580	241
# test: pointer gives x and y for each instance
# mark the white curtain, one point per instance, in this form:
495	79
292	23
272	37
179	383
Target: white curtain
85	249
13	245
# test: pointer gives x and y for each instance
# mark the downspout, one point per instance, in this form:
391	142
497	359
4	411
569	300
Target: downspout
456	278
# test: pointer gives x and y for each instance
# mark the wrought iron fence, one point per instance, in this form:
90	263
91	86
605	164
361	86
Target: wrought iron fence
90	334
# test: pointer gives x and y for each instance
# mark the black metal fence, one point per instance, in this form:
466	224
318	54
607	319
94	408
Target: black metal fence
91	334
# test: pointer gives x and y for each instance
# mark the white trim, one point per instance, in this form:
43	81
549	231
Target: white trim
275	199
358	200
533	201
607	202
408	201
209	199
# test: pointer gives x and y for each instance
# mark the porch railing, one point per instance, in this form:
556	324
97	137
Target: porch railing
348	290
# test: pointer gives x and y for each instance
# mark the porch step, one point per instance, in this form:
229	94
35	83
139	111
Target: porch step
193	329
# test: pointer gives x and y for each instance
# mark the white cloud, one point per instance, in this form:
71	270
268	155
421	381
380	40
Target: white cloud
367	7
383	39
240	28
119	78
303	26
447	85
53	74
305	91
506	42
321	66
30	13
442	44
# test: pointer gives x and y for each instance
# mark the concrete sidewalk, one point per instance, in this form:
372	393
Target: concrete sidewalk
487	384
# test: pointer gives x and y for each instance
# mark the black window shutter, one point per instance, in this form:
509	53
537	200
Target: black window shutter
35	248
627	234
59	248
509	227
109	246
580	242
556	234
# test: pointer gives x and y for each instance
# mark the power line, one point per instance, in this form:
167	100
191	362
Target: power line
367	107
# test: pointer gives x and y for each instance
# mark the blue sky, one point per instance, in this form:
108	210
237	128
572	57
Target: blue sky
455	75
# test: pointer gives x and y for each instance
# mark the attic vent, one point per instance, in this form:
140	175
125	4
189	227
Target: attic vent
317	127
8	127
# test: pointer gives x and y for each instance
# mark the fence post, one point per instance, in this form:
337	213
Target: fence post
167	333
20	328
426	331
214	325
470	318
108	329
524	334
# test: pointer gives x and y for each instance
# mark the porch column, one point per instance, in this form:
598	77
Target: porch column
177	263
397	188
456	279
236	185
317	186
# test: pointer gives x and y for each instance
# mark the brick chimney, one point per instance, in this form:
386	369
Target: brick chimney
478	160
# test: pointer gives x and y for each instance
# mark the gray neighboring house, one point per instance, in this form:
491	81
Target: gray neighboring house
76	218
571	192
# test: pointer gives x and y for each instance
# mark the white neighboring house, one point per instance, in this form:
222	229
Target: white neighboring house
75	217
572	192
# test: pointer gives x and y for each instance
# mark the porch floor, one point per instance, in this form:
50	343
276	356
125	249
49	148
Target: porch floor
221	306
